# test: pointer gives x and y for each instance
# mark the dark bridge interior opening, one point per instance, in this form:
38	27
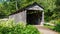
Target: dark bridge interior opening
34	17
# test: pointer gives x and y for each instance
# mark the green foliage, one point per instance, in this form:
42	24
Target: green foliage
51	7
49	26
57	26
9	27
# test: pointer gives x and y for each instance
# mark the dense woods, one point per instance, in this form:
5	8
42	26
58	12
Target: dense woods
51	7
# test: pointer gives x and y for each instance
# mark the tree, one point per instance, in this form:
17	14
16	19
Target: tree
50	8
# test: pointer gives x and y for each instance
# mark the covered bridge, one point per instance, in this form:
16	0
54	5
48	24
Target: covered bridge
32	14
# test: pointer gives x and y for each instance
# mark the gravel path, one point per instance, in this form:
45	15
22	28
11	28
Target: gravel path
44	30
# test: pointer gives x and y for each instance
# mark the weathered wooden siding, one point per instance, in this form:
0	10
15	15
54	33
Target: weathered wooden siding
35	7
19	17
12	16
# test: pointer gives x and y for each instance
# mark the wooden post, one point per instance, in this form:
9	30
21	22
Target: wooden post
42	21
26	16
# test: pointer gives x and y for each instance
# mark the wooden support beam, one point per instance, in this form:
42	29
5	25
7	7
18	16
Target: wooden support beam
42	21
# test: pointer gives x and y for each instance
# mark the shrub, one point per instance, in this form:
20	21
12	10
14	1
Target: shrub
57	26
31	30
9	27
